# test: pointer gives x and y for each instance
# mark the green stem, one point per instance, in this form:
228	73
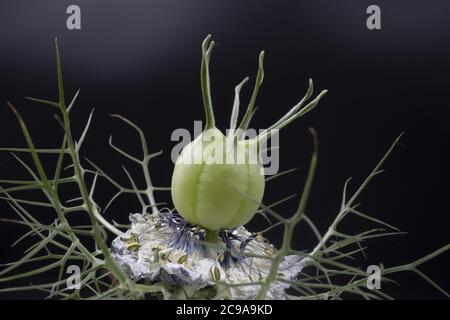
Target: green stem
259	79
290	224
211	236
79	176
207	48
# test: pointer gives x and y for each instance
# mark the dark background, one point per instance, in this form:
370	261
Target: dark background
141	59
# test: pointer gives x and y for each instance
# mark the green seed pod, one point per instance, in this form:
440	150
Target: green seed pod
218	180
211	192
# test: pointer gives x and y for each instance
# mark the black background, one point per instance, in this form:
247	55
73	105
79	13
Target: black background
141	59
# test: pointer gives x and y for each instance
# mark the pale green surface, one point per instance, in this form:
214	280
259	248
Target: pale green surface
216	195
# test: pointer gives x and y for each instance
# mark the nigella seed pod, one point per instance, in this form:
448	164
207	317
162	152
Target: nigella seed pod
213	193
218	181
